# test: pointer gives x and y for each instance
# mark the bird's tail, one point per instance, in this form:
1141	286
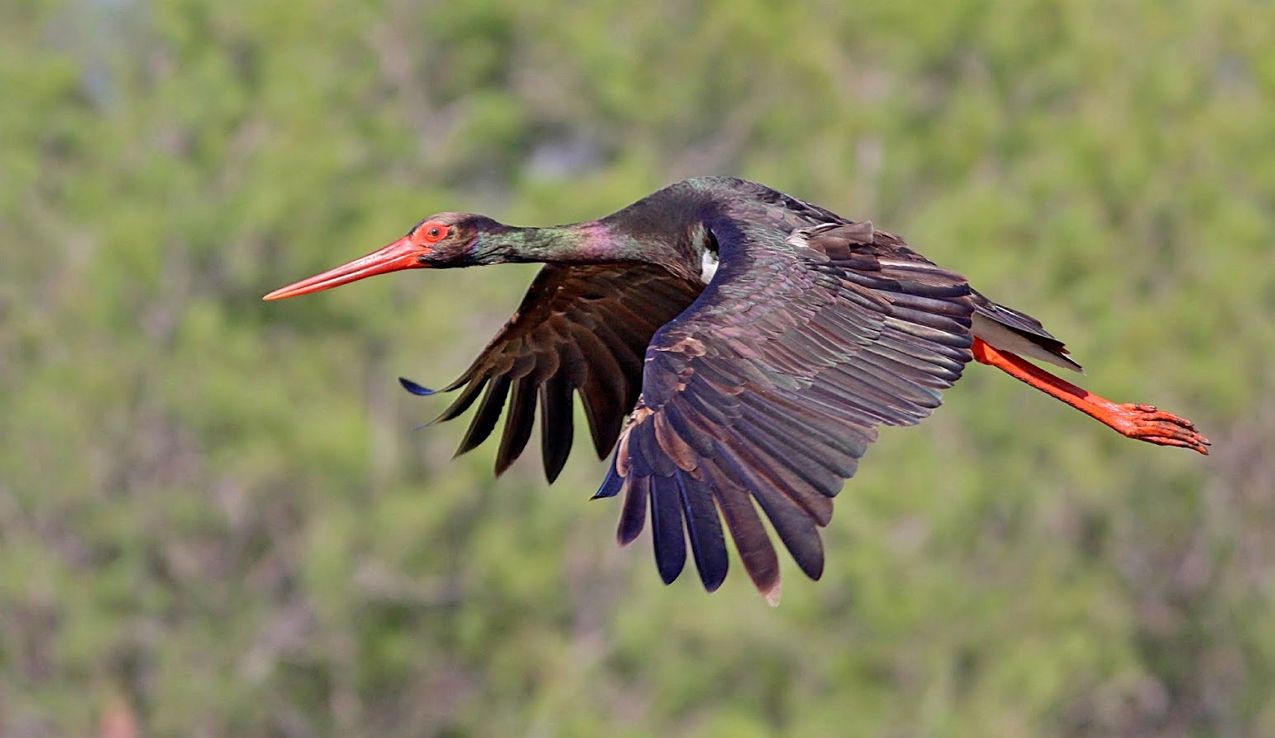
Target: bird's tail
1010	330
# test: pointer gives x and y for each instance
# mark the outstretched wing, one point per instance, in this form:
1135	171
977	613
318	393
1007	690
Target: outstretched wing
579	329
770	387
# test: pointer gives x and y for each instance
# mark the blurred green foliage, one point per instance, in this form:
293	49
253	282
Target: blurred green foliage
216	519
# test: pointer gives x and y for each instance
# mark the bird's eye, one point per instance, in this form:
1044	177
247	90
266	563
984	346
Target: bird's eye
434	232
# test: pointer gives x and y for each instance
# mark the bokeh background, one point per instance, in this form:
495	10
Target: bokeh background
216	518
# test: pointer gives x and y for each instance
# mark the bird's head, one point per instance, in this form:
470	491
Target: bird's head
440	241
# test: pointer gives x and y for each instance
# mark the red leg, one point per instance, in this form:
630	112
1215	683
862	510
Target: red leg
1142	422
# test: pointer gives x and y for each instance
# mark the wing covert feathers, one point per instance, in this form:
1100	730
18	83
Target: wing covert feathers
762	397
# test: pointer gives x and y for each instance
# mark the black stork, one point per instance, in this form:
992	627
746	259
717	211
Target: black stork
755	343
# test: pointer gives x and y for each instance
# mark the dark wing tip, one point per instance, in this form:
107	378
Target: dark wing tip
1065	355
611	486
415	388
712	578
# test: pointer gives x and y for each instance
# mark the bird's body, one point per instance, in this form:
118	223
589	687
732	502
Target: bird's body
755	343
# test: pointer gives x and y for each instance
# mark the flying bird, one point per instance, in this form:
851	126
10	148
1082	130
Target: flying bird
737	348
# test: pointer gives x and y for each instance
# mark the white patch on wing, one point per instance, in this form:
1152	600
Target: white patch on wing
708	257
708	266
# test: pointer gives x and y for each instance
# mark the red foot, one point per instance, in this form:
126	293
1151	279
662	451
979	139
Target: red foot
1140	422
1146	423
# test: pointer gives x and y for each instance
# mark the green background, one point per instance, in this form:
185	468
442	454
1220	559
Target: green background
216	519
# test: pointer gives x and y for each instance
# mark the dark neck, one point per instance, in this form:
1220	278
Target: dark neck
666	228
579	243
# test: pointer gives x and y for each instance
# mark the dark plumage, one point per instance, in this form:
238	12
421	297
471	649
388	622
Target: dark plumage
582	328
754	392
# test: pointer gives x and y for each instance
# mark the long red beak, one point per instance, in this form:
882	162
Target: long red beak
402	254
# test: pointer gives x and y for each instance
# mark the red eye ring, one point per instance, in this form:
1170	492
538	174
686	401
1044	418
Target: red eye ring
433	232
